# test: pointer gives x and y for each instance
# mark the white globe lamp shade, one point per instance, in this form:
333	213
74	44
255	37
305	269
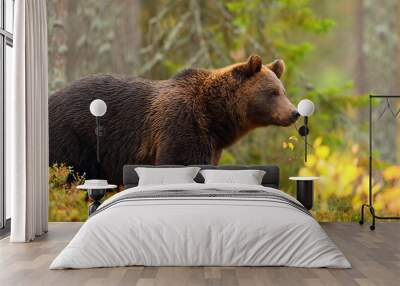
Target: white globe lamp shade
305	107
98	107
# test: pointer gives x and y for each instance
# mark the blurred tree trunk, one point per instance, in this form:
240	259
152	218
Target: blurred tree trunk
360	81
377	71
57	15
102	37
74	28
127	45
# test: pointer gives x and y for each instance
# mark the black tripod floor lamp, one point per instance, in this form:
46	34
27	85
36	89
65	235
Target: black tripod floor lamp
370	204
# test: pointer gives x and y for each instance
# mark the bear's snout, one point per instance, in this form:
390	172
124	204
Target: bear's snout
291	118
295	114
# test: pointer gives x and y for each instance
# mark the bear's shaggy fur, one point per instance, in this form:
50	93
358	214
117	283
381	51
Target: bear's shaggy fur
188	119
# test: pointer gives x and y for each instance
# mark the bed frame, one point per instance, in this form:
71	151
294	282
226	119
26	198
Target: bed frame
270	179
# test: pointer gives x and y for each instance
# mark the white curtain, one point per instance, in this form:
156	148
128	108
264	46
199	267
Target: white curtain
27	124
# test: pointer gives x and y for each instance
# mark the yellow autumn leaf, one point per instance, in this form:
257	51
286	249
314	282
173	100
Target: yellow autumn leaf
392	173
317	142
322	151
389	194
349	173
291	146
311	161
355	148
305	172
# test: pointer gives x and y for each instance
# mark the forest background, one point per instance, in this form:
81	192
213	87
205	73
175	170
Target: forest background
336	53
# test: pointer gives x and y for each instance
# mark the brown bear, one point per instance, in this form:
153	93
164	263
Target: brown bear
188	119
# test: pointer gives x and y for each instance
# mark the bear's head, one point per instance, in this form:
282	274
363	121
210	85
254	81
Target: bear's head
265	96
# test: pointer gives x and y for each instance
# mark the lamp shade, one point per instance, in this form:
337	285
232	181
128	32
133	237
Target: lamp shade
305	107
98	107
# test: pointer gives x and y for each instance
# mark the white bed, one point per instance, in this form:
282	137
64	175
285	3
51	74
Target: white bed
202	231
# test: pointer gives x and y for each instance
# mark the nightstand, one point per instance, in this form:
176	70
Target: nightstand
96	190
305	190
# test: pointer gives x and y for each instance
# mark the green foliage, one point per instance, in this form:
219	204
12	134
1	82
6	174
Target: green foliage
66	202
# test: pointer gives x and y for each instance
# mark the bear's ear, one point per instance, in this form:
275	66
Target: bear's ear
249	68
277	66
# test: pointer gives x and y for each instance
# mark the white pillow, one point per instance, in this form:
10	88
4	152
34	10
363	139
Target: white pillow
248	177
165	176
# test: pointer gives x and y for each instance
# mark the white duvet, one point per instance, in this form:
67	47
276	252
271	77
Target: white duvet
200	231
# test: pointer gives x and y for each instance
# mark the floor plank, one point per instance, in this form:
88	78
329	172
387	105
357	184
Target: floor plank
375	257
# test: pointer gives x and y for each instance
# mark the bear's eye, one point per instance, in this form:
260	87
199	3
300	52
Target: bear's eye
272	94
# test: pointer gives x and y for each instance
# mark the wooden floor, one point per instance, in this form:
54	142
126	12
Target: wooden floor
375	257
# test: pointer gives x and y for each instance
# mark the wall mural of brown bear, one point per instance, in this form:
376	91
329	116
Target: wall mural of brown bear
188	119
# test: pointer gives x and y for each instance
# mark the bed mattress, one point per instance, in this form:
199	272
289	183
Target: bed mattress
201	225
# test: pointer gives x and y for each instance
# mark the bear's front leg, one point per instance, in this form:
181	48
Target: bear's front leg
216	156
183	153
